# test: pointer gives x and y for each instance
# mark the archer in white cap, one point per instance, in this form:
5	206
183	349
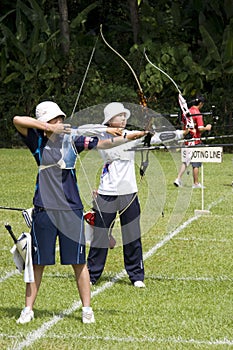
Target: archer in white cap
115	109
58	210
47	110
117	193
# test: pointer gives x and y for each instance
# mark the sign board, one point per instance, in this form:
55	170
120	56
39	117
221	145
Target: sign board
201	154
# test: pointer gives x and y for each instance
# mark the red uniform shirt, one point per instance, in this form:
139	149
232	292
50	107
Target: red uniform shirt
197	123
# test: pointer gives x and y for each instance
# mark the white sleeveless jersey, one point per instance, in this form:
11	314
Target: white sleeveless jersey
118	173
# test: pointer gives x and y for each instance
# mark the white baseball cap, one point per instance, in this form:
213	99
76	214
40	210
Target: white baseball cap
113	109
48	110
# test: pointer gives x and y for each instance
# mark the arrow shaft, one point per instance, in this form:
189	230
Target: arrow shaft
153	148
10	208
206	138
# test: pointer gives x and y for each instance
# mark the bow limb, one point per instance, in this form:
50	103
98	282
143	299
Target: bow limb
140	91
168	76
182	101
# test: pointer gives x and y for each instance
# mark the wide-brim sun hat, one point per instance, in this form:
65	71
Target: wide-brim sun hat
48	110
113	109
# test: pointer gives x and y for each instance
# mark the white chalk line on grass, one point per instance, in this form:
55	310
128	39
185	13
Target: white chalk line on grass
40	332
174	340
158	277
198	239
168	237
191	278
9	274
4	249
7	249
178	340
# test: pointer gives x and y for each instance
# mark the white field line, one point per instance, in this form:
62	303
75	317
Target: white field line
191	278
178	340
198	239
174	340
4	249
156	277
7	248
13	272
168	237
40	332
9	274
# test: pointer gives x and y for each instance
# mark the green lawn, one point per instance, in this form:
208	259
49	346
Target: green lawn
188	299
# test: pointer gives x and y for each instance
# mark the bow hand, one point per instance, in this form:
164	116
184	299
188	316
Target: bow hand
114	131
135	135
147	139
188	136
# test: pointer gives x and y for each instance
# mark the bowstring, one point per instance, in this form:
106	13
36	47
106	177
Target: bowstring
72	114
84	77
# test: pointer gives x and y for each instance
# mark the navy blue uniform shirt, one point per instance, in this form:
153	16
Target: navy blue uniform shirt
56	185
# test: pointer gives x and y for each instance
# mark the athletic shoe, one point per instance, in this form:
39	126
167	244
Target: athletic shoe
87	315
26	315
198	186
139	284
177	183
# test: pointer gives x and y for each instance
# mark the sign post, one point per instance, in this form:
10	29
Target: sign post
203	155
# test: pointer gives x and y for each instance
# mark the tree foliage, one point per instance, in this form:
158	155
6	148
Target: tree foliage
46	46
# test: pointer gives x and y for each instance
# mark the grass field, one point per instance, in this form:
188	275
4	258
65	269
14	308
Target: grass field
188	299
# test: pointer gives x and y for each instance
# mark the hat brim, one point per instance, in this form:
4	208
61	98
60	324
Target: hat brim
125	110
50	117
